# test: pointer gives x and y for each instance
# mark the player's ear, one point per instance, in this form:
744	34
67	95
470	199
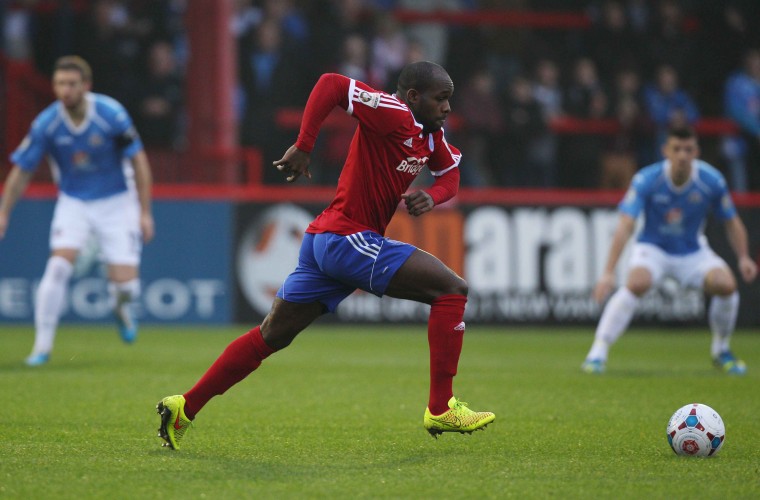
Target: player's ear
412	96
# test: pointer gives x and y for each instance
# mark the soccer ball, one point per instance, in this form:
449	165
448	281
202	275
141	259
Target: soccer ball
696	430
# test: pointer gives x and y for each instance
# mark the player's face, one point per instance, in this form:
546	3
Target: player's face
432	106
69	87
681	153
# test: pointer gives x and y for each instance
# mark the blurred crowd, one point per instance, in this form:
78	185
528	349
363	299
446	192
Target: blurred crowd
642	65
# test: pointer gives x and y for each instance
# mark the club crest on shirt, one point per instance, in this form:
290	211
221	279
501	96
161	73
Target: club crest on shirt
95	140
371	99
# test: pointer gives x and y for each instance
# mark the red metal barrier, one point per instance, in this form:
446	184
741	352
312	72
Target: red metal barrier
566	125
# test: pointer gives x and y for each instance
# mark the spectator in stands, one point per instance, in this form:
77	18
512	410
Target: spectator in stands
292	21
638	14
271	76
245	18
585	98
434	35
331	21
388	49
619	161
336	141
548	93
610	41
636	134
523	125
160	98
722	46
668	105
671	44
742	101
17	28
112	50
355	61
479	107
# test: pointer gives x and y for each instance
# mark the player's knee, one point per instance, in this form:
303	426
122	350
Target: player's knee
458	286
639	282
277	336
720	282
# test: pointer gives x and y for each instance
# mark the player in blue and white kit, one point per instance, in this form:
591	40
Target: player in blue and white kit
89	140
675	196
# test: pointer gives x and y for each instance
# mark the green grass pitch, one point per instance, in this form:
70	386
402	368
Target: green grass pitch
339	415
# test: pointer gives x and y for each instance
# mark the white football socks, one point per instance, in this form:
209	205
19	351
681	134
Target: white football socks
722	318
615	319
51	296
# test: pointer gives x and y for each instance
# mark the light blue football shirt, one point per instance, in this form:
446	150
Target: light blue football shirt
89	159
674	217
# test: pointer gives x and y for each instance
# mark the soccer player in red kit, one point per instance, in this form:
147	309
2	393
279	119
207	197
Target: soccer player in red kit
344	247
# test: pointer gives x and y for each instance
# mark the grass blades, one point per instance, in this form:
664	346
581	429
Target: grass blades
339	415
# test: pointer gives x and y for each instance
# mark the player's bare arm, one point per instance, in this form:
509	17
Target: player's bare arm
737	237
144	183
623	232
294	163
15	185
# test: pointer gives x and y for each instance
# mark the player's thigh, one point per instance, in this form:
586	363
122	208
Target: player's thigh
309	283
646	267
423	277
705	269
69	229
116	220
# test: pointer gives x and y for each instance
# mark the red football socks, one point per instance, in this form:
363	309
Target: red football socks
445	335
238	360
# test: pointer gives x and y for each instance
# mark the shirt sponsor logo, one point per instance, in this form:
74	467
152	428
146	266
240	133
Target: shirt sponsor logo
674	216
661	198
412	165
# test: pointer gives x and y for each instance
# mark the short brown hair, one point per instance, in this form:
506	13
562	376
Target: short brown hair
74	63
682	132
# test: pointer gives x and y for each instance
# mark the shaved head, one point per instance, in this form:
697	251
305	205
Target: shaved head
421	76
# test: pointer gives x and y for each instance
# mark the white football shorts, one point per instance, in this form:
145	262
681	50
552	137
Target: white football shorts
689	270
114	221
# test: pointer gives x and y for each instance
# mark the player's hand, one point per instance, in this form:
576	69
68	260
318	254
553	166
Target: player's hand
748	269
147	226
604	287
295	163
418	203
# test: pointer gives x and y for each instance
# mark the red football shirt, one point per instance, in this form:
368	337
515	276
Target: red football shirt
387	152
